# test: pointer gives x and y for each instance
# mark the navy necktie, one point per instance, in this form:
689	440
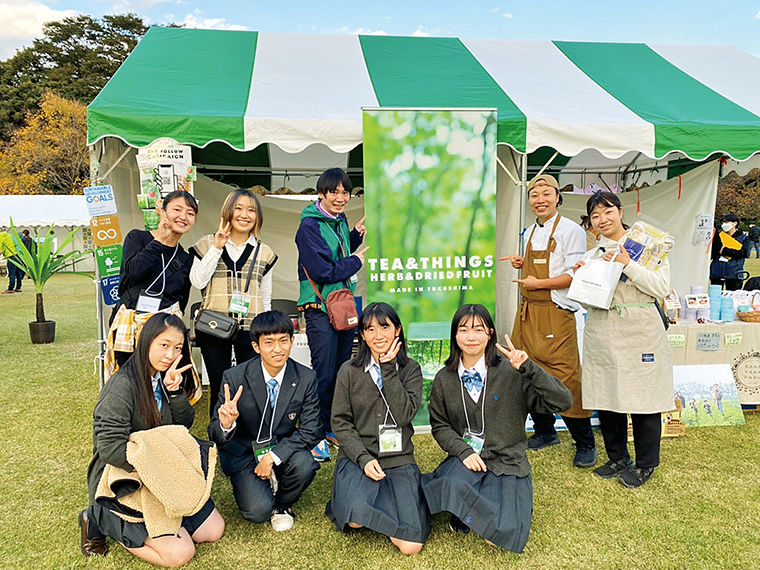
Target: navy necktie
158	395
379	380
472	381
272	386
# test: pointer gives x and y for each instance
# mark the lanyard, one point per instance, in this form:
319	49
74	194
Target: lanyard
387	409
482	407
264	415
161	275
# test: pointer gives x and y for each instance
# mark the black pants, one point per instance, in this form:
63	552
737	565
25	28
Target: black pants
254	495
579	428
329	350
646	436
217	356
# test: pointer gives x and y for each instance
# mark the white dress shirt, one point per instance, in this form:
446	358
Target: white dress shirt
571	246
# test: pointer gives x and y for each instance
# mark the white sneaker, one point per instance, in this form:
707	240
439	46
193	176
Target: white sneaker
282	519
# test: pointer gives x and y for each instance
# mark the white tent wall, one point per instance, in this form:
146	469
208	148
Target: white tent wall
508	224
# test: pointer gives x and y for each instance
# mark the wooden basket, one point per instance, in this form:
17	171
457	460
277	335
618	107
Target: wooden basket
751	316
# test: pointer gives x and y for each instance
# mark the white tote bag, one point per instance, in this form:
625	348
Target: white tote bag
594	283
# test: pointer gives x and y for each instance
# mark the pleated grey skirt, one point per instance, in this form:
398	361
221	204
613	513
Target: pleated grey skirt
393	506
497	507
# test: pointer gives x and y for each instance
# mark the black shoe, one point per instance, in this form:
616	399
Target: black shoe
457	525
585	456
613	468
635	477
91	542
536	442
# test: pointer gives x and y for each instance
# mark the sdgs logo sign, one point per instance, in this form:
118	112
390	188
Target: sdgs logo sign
100	200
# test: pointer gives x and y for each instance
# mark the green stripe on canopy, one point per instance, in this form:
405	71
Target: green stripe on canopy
438	72
156	93
687	115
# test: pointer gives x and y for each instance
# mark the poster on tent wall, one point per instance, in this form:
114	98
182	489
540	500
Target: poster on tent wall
430	205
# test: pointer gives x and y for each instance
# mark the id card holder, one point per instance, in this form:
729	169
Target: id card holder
261	449
239	303
147	303
389	438
355	278
474	441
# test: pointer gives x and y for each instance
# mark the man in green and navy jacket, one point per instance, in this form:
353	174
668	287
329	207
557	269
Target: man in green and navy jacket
325	247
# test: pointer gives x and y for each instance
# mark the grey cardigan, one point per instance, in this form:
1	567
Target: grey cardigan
358	411
509	396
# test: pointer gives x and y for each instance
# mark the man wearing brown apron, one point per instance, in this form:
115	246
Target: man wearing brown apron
545	322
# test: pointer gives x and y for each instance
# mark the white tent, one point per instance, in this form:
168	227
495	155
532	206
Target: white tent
41	212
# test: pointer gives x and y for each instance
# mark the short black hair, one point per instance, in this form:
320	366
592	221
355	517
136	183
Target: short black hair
270	322
472	312
730	217
329	180
382	314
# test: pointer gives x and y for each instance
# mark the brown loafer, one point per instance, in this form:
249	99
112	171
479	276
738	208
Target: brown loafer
90	546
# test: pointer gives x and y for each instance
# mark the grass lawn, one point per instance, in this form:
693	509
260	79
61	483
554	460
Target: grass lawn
697	511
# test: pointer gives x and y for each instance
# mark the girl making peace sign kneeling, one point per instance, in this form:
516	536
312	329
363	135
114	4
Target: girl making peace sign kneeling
478	407
377	482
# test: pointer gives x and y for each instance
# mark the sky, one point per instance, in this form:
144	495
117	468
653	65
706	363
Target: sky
696	22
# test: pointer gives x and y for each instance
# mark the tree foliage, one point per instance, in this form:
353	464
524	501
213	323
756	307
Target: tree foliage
740	195
74	59
48	155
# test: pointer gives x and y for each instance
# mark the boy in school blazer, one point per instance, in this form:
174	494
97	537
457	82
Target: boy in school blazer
265	432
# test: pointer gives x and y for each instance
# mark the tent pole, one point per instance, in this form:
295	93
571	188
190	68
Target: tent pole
94	177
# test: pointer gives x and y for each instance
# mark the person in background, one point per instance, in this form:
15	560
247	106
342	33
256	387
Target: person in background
727	263
325	247
150	390
478	407
754	236
545	325
234	272
377	394
9	249
265	423
592	236
627	359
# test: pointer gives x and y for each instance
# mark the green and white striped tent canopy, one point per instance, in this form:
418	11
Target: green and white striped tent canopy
296	90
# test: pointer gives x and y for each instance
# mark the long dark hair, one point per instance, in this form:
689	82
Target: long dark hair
382	314
606	200
138	365
472	313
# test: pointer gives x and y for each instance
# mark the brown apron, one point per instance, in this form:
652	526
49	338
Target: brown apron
546	332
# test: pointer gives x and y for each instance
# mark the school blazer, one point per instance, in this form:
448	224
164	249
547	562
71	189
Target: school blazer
296	423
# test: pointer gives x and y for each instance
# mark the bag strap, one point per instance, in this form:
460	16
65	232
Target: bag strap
313	286
250	267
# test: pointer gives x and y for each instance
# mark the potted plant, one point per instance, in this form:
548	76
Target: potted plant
41	264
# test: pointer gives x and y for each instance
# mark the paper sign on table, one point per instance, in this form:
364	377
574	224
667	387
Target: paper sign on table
732	339
708	341
677	340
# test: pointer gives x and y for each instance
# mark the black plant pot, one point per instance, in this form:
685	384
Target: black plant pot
42	333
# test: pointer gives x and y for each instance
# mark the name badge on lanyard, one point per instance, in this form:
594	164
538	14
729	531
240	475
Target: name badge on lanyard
240	303
390	439
474	441
148	303
261	449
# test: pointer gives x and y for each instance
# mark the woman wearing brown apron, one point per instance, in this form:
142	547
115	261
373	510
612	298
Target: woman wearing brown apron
545	322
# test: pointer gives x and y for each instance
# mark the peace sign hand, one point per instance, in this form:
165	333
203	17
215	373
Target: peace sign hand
222	234
164	229
173	376
392	351
228	411
516	357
